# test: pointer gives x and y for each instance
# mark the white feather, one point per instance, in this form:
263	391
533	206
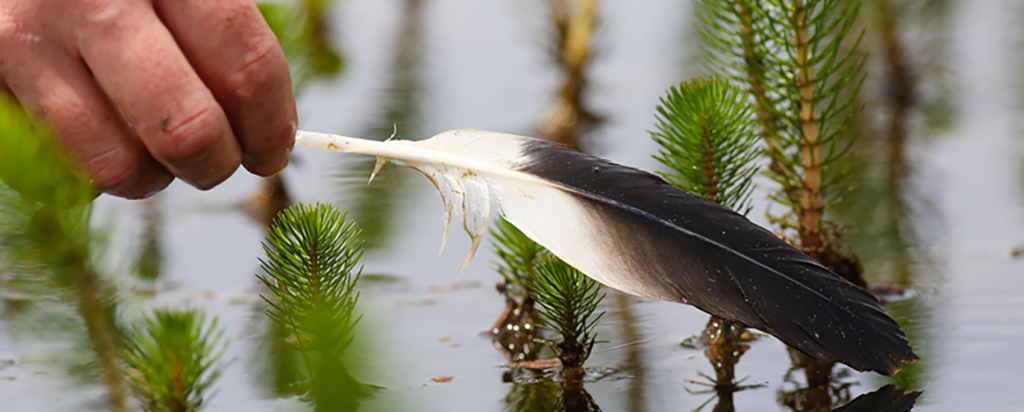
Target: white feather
465	166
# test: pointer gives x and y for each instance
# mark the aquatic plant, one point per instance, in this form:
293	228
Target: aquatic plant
708	138
518	257
798	61
312	252
45	210
567	301
173	357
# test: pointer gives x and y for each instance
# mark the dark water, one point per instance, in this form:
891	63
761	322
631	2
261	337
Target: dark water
938	206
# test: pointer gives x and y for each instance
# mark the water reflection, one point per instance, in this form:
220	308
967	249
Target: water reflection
889	398
725	343
819	389
571	48
375	206
536	390
515	334
150	259
892	218
271	198
632	366
542	395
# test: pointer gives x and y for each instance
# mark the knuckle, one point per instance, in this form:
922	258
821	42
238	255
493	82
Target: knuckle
100	12
16	29
191	136
262	65
63	112
113	168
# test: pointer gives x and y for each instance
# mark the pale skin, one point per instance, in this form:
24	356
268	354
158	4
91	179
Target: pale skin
141	92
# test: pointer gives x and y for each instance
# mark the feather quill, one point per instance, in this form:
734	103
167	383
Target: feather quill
632	231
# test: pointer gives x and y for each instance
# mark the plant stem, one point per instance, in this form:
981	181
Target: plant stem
767	119
579	33
101	332
811	203
710	183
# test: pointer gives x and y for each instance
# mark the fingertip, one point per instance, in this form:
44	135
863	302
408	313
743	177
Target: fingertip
212	180
129	174
267	164
142	188
200	148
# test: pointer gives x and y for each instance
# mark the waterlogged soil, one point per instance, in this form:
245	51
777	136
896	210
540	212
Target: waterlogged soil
483	65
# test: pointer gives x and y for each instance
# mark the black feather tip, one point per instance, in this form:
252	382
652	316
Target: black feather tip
682	248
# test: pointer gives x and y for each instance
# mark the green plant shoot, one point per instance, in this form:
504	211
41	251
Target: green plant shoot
311	258
519	256
173	358
708	138
568	300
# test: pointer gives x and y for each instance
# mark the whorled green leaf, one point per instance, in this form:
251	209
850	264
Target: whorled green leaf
567	301
518	256
311	256
708	137
173	359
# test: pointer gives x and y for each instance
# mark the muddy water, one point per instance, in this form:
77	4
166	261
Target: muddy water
474	64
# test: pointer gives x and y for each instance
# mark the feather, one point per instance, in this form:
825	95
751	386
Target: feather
632	231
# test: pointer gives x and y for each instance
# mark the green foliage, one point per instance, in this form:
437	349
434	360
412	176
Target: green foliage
797	61
31	164
728	29
519	257
44	209
45	239
312	253
567	300
708	138
173	358
301	30
824	64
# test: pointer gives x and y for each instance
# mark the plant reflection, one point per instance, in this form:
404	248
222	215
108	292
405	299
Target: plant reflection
535	390
893	217
820	389
150	260
375	206
571	48
633	364
725	344
270	200
515	334
302	30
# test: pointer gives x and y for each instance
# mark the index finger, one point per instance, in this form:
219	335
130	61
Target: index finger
238	57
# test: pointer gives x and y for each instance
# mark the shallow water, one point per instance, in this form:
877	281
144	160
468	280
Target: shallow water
482	65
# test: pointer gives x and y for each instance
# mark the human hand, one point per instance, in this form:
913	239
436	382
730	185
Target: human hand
142	91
